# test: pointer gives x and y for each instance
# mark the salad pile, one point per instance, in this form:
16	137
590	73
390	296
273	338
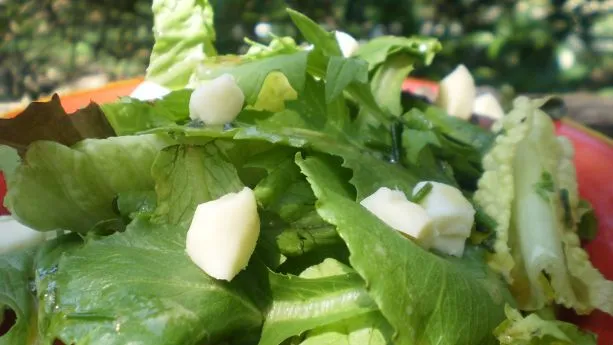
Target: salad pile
114	190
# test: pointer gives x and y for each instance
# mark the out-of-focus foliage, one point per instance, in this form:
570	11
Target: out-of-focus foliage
533	45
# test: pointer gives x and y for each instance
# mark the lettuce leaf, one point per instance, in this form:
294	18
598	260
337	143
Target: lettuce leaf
250	74
139	285
184	37
367	329
533	330
62	188
129	116
428	310
300	304
529	187
15	276
174	172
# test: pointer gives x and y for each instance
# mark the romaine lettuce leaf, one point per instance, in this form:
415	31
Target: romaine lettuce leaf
367	329
533	330
62	188
425	297
16	272
529	187
184	37
300	304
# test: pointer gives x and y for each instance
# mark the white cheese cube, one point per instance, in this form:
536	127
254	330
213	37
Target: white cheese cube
452	214
487	105
395	210
15	236
457	92
223	234
452	245
217	101
347	43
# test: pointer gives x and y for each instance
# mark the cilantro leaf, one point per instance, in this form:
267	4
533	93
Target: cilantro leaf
342	72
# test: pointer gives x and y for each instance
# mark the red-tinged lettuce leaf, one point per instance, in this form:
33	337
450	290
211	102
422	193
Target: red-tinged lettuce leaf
49	121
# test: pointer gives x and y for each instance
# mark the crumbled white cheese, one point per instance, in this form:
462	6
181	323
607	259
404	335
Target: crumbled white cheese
217	101
457	92
223	234
452	216
395	210
487	105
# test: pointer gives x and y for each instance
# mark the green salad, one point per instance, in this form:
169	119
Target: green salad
290	195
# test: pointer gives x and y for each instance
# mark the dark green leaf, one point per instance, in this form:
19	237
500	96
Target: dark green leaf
588	222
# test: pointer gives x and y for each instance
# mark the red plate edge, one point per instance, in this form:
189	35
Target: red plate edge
593	161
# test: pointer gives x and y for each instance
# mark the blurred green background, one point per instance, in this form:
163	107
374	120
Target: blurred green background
533	45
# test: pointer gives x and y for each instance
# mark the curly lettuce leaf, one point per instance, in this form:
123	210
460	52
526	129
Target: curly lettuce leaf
529	187
15	275
184	37
61	188
533	330
430	310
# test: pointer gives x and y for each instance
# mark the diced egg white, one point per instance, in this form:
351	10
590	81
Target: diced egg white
395	210
16	236
452	216
487	105
217	101
223	234
457	92
347	43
